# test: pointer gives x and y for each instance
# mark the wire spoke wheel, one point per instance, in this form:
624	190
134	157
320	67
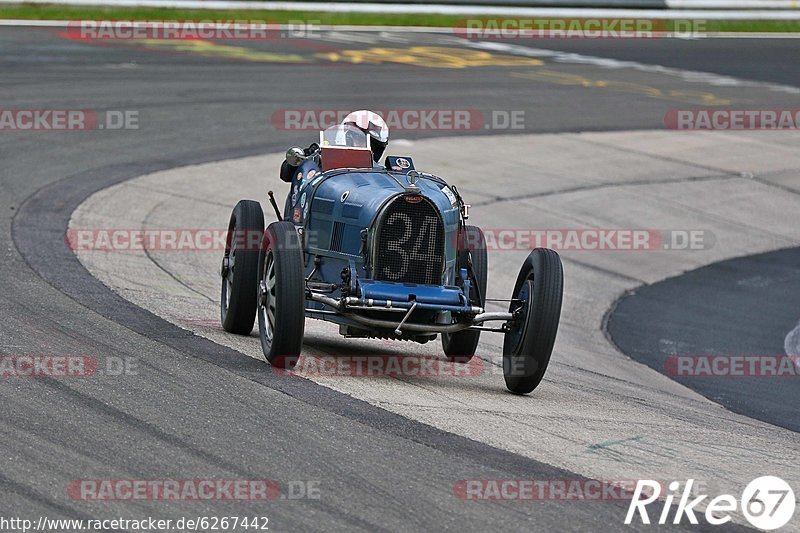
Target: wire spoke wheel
266	303
229	267
281	295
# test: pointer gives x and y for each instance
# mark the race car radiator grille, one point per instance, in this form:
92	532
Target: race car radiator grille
410	243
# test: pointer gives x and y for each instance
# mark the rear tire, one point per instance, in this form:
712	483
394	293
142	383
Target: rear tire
460	346
527	346
281	295
240	268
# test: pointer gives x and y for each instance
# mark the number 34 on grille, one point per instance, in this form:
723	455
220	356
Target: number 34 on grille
384	251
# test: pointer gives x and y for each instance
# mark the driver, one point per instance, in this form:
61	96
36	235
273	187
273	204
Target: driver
373	125
368	122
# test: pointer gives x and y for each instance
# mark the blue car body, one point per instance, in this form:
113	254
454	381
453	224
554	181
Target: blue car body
386	239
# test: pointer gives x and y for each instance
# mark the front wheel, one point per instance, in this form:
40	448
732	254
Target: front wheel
537	304
281	295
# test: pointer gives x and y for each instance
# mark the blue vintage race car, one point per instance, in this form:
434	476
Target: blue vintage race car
384	252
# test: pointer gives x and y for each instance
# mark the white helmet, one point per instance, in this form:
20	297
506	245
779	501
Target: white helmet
372	124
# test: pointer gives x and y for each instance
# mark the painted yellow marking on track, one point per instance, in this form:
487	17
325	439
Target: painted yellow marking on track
212	49
428	56
679	95
422	56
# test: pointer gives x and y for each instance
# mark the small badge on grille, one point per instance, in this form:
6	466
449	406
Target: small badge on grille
413	198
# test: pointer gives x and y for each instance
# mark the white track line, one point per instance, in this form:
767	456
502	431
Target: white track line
732	4
790	11
28	23
791	344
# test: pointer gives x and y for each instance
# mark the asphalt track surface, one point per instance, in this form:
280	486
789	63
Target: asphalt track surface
197	409
712	307
762	60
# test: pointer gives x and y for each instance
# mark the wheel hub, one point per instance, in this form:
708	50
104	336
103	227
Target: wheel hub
262	293
516	329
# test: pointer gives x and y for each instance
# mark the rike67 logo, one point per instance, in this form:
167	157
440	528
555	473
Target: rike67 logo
767	502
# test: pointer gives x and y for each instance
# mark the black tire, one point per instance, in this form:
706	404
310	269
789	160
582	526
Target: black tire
240	268
461	346
527	347
281	295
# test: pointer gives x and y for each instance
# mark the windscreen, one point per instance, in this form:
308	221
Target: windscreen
344	136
